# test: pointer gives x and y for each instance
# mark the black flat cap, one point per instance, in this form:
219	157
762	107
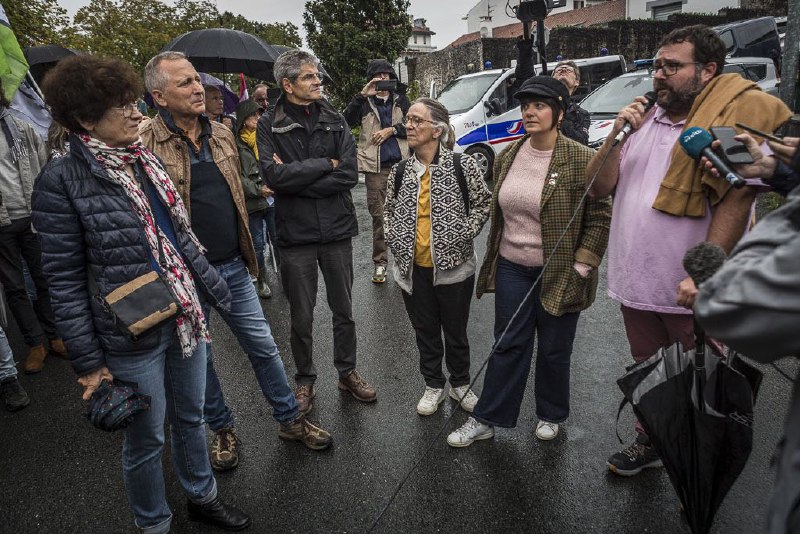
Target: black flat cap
543	86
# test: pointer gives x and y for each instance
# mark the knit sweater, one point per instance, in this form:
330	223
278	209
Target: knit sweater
520	199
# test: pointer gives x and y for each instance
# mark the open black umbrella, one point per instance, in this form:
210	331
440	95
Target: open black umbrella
226	51
42	58
704	445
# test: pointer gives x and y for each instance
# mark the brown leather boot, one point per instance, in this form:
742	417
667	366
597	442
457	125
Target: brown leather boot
58	348
34	361
307	433
358	387
304	394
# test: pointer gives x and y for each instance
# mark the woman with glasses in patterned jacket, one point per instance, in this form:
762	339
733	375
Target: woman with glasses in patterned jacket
436	204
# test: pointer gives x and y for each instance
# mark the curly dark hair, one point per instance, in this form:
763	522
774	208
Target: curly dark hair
708	47
83	88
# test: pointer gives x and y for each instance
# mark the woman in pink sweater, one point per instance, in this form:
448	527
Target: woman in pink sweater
540	282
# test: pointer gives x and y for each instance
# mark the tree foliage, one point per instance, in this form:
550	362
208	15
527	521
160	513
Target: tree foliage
346	34
38	22
133	30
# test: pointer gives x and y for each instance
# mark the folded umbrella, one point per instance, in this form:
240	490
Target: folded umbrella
703	437
113	405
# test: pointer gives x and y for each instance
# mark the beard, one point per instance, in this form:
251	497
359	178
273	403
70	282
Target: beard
678	100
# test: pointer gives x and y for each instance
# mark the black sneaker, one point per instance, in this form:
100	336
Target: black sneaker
225	450
14	397
637	456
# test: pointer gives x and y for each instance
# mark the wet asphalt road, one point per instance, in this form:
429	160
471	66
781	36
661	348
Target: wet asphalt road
60	475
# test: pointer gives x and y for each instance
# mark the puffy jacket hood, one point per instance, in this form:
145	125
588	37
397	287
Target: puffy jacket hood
376	66
244	110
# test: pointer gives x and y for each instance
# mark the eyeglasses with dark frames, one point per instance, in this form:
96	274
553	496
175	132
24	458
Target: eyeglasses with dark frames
671	68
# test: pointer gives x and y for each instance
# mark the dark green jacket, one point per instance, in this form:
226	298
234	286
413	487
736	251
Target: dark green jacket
563	289
251	177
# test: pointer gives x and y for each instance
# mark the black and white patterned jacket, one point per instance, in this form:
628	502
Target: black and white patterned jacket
453	231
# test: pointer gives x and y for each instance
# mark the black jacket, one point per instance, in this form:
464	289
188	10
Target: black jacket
87	228
312	199
576	123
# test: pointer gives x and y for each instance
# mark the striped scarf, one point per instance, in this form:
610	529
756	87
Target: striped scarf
191	325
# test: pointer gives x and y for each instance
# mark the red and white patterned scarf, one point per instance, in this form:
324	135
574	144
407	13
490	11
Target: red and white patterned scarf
192	324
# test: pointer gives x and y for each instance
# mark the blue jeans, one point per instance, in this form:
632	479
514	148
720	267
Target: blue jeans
257	231
247	322
175	385
8	367
509	367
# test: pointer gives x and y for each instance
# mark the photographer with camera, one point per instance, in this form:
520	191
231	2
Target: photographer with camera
379	110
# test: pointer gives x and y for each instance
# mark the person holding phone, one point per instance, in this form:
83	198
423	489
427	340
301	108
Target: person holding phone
382	143
780	169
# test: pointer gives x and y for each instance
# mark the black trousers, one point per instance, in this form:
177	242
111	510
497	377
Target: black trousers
18	241
436	310
300	267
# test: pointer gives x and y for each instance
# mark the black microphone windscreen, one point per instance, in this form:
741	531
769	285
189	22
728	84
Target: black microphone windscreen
703	260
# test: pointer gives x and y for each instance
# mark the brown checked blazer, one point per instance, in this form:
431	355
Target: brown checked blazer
563	289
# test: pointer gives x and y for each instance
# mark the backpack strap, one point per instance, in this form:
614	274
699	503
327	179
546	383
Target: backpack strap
462	181
398	176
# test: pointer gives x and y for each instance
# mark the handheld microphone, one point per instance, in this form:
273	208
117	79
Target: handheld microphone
626	130
703	260
696	142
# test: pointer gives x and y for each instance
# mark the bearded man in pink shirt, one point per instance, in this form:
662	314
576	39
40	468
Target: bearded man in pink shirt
664	203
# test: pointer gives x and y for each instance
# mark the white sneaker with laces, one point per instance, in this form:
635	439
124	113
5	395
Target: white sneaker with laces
469	432
430	401
465	397
546	431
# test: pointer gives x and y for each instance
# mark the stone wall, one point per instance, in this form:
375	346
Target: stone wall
634	39
446	65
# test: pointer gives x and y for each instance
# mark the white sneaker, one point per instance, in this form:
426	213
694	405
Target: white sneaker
430	401
465	397
469	432
546	431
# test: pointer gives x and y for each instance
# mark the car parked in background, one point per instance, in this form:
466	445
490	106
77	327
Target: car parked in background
604	103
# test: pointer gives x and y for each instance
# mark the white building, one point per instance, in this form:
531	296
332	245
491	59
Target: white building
661	9
419	42
489	14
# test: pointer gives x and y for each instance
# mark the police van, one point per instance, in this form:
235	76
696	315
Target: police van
485	116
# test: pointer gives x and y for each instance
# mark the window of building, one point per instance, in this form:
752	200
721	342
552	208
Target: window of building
415	39
662	12
578	4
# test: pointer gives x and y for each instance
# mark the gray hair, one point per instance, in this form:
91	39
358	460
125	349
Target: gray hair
289	64
440	118
154	79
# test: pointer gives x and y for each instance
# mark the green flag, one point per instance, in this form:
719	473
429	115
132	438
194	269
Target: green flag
13	66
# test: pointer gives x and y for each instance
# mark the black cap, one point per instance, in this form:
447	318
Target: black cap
544	86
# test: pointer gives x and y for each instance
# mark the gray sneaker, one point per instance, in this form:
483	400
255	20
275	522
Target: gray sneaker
379	276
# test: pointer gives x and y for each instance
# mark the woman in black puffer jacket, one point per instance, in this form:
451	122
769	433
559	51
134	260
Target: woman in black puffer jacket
107	213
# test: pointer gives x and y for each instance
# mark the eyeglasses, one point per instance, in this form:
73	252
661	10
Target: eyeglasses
671	68
260	99
564	69
310	77
128	109
415	121
218	98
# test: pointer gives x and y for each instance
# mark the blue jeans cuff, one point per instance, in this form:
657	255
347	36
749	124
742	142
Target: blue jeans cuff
161	528
209	497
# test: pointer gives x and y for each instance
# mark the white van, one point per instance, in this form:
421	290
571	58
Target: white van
486	117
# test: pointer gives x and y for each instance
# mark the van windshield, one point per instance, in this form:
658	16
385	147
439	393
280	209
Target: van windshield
617	94
462	94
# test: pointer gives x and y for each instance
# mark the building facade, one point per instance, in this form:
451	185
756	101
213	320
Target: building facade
661	9
420	42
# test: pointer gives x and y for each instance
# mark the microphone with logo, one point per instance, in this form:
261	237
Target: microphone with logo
696	142
626	130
